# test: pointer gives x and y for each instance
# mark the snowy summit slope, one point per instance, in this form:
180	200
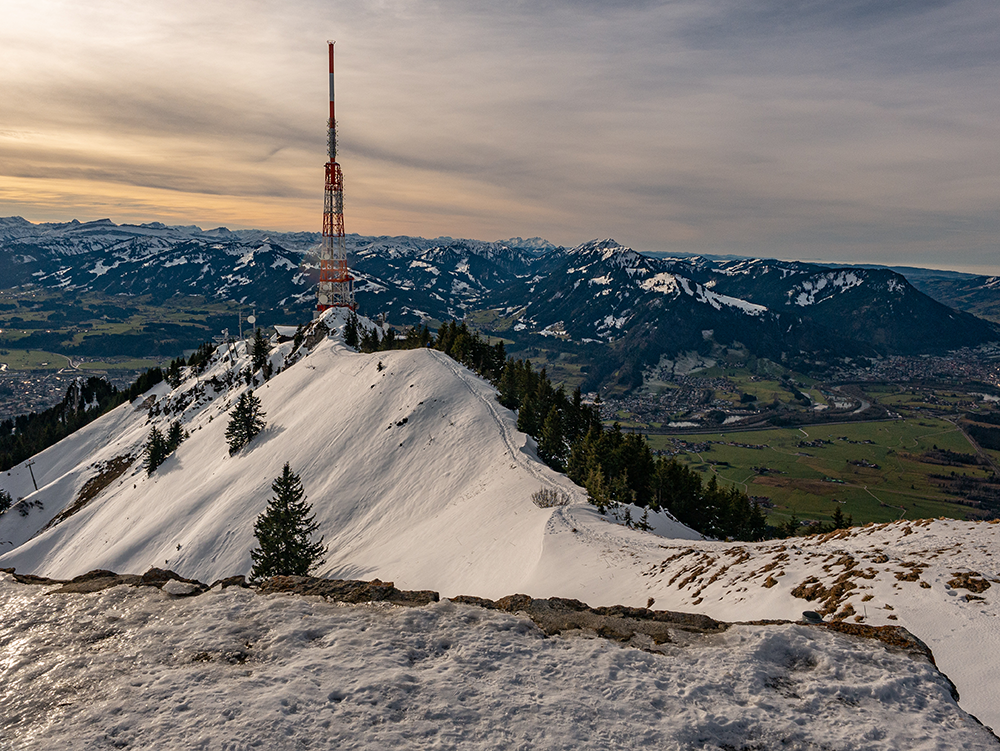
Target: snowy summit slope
417	475
413	468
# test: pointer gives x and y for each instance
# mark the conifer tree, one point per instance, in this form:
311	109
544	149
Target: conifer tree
551	444
173	374
261	349
509	396
369	339
755	527
527	416
790	528
597	489
388	338
283	532
5	500
619	490
246	421
175	436
351	338
155	451
643	523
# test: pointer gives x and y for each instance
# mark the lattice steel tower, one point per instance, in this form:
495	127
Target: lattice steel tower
336	285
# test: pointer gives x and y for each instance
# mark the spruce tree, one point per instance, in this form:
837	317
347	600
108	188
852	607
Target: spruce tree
597	489
261	350
155	451
527	416
351	338
5	500
175	436
509	396
619	490
283	532
173	374
369	339
551	443
246	421
388	338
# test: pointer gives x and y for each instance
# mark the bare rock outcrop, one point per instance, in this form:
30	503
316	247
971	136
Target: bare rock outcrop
348	590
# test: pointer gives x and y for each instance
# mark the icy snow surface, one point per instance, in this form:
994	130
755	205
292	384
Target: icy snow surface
140	669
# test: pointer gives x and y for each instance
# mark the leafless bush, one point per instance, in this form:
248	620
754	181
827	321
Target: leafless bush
547	498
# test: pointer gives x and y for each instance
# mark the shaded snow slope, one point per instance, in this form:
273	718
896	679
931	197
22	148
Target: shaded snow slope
418	476
128	668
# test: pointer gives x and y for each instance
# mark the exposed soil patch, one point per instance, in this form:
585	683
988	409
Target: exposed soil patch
831	597
970	580
913	572
107	473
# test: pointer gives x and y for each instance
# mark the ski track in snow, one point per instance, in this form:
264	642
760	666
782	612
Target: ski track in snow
492	407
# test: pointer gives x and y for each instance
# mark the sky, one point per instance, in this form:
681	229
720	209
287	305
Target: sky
837	131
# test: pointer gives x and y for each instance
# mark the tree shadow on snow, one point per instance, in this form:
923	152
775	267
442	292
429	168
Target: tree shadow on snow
261	439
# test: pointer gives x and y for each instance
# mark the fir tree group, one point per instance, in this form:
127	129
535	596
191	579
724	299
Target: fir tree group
158	447
284	531
246	421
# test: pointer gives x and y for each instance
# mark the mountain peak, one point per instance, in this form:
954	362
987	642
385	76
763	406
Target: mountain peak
607	250
602	246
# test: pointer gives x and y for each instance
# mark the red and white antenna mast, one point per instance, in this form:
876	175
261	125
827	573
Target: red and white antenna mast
336	285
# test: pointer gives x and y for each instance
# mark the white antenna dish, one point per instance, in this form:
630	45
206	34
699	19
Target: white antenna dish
251	320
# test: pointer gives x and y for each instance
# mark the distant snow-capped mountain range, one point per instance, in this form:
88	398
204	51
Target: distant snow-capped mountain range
598	293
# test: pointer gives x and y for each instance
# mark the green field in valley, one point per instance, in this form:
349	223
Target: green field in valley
875	471
36	323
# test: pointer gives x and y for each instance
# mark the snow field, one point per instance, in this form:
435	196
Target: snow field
140	669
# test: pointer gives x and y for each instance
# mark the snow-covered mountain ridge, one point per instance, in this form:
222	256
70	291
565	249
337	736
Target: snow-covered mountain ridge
418	476
599	292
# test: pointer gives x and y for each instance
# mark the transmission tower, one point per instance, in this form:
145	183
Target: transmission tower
336	285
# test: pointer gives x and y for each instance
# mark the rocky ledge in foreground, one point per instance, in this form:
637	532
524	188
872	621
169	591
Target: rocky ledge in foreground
642	627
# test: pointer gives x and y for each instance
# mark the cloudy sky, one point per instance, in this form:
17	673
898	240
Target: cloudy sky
834	130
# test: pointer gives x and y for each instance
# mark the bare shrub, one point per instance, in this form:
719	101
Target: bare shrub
547	498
